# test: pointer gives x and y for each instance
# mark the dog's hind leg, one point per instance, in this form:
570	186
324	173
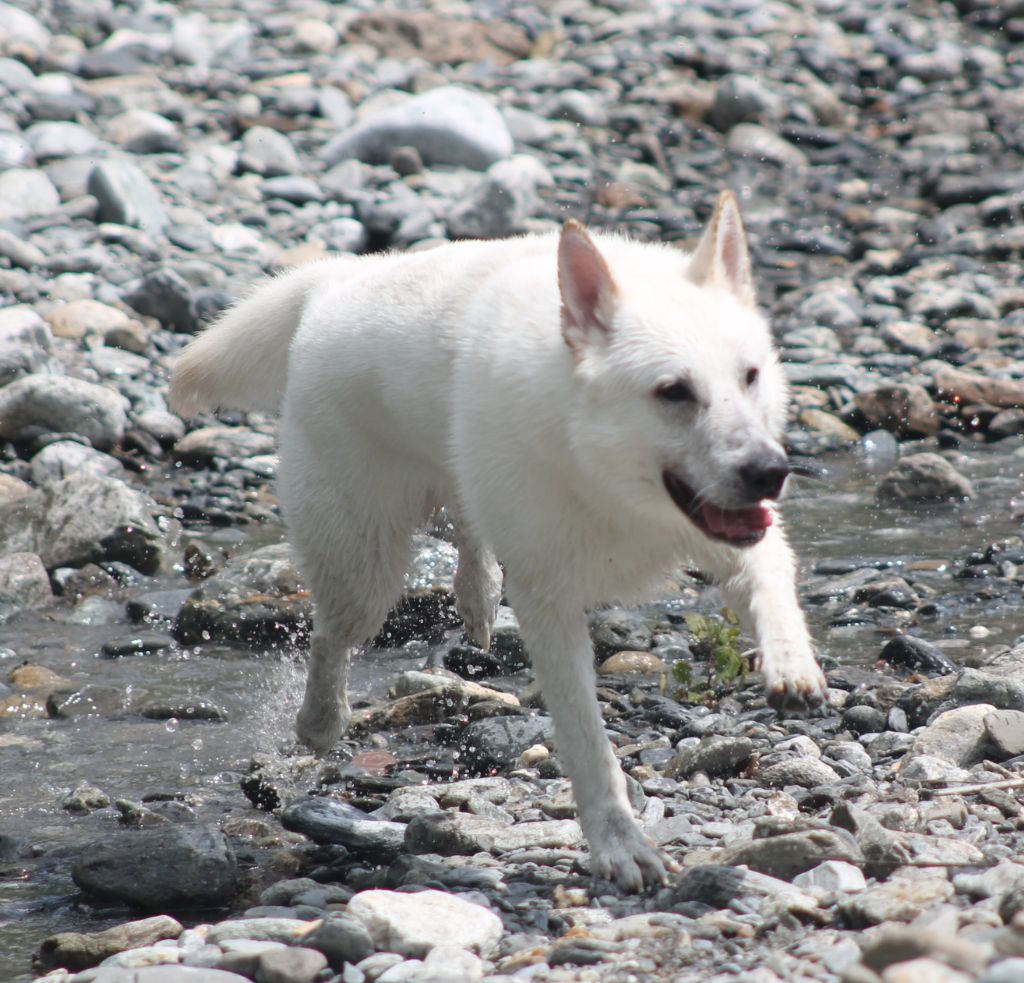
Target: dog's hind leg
352	533
478	581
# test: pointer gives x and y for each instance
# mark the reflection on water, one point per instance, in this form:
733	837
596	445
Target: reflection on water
835	520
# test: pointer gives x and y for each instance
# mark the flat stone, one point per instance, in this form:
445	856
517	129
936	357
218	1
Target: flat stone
76	951
632	664
899	899
60	404
924	477
1005	730
463	834
958	735
413	924
78	318
175	868
58	138
969	387
789	854
833	875
804	771
326	820
718	885
200	447
753	140
140	131
916	655
448	125
286	930
269	152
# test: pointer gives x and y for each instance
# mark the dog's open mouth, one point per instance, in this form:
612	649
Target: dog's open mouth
739	527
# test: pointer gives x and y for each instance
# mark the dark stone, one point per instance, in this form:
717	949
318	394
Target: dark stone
342	939
916	655
167	296
165	868
497	742
714	755
326	820
142	644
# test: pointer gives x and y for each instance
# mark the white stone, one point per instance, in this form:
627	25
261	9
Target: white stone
833	875
413	924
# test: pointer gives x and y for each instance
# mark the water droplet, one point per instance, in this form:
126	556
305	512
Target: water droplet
172	725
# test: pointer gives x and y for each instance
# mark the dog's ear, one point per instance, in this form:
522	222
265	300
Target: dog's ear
722	258
586	286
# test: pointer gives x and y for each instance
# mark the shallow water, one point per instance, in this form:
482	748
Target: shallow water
41	760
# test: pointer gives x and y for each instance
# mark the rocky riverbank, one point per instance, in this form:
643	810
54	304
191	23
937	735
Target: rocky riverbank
156	159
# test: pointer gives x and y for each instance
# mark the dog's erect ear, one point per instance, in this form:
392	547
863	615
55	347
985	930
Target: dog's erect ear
722	258
586	286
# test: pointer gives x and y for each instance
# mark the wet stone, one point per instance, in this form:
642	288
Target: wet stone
162	868
326	820
76	951
713	755
916	655
924	478
498	741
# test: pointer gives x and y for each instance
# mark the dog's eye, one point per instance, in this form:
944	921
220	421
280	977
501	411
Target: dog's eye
752	376
676	392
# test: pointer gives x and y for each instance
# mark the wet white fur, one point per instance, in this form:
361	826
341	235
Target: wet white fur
443	377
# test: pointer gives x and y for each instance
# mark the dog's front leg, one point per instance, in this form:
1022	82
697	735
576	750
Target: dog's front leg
563	659
759	583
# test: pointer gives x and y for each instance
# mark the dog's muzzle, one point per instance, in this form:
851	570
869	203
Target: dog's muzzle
743	526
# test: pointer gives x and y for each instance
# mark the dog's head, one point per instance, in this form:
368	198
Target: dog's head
680	400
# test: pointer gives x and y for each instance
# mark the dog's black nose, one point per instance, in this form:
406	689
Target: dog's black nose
764	475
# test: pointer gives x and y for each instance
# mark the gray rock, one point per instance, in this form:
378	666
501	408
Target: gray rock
789	854
90	700
175	868
903	410
60	139
19	27
20	252
979	686
1005	971
25	193
958	735
714	755
168	973
140	131
752	140
294	964
126	196
448	125
61	404
1005	730
76	951
833	875
63	458
497	742
924	478
413	924
255	599
294	188
502	203
899	899
743	99
166	295
23	583
342	939
804	771
453	834
326	820
719	885
84	520
286	930
269	153
617	630
21	325
200	447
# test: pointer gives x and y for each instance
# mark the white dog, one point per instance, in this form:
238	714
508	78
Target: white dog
592	410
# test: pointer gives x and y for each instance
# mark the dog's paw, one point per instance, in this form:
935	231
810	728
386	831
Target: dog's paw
624	856
321	723
796	687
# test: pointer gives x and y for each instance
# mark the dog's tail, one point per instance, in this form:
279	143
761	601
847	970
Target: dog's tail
241	360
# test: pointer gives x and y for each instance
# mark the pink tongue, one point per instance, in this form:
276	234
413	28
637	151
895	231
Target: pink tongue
736	523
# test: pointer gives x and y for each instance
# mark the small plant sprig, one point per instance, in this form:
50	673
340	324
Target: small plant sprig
715	639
